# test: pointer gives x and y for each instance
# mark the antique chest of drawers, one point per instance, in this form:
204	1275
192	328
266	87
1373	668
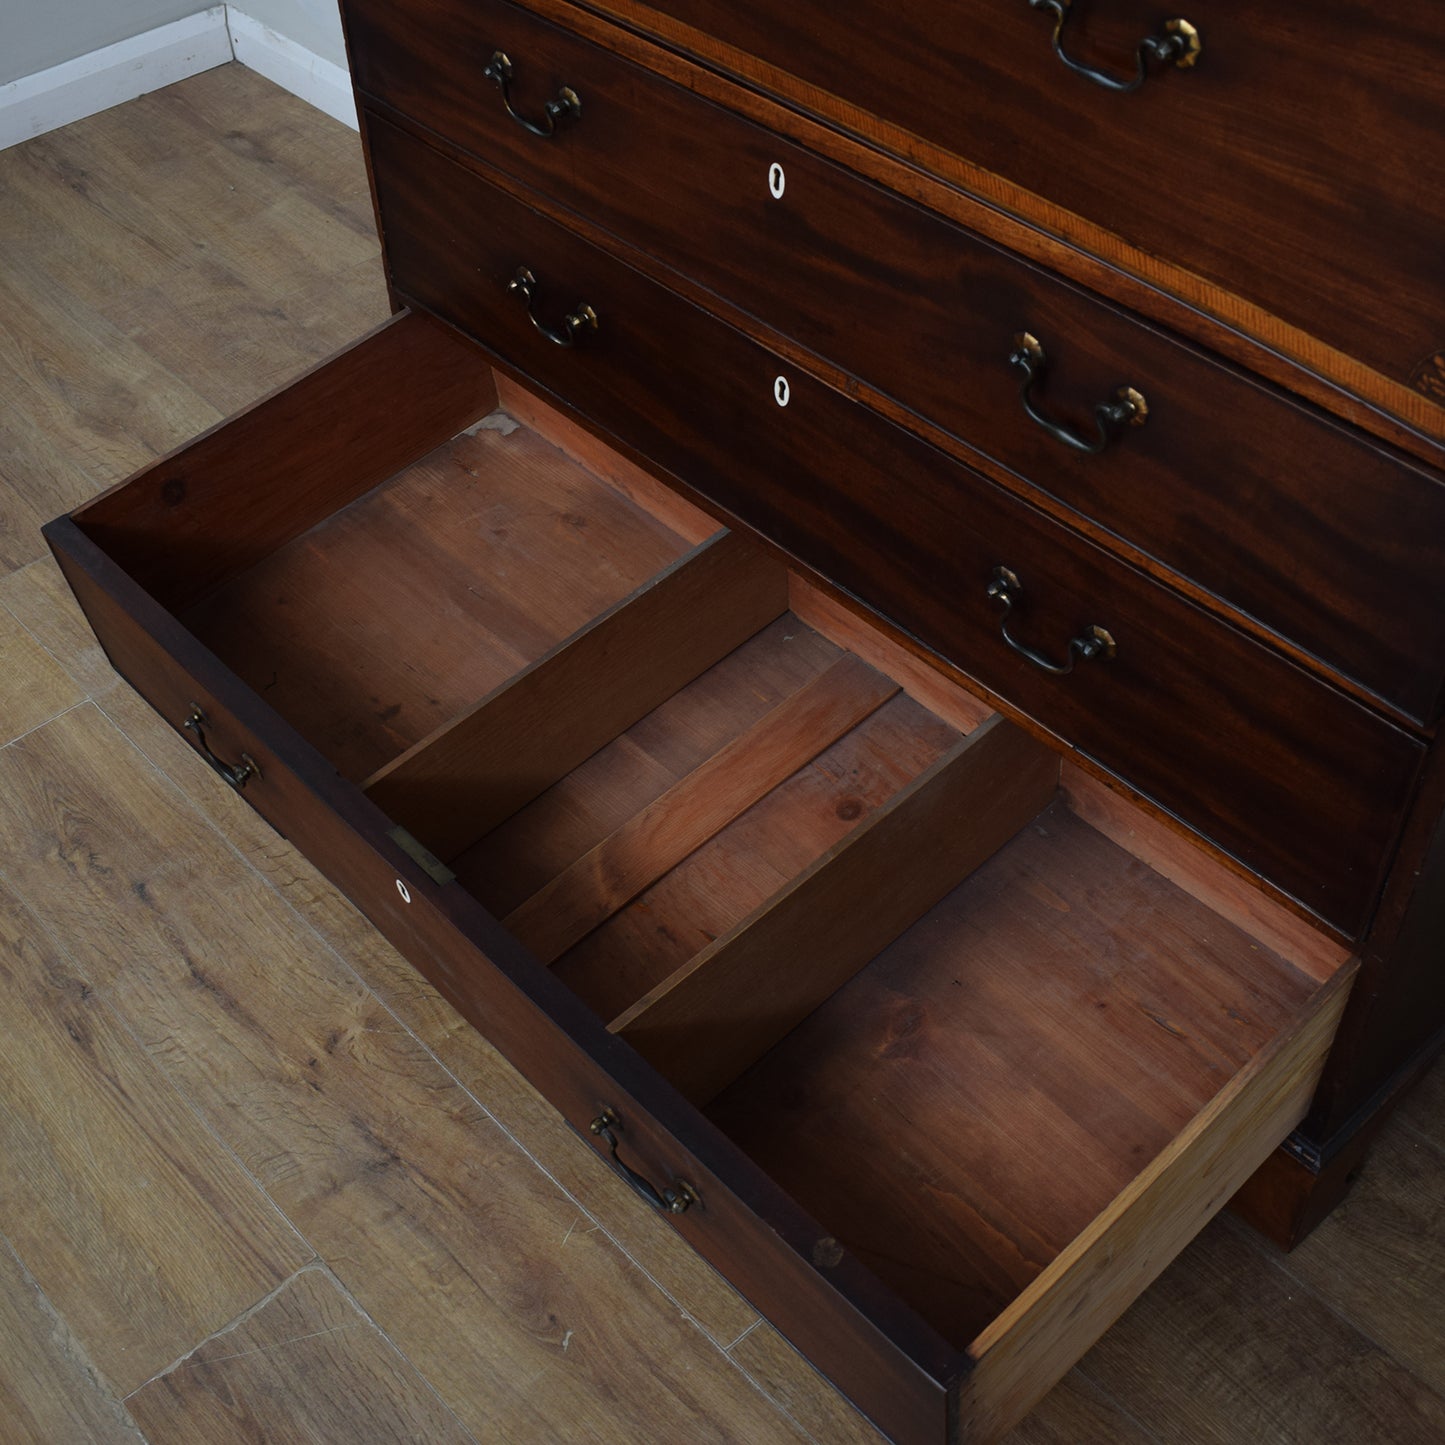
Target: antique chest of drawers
875	620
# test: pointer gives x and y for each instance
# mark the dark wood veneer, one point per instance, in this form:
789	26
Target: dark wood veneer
1288	775
1306	138
1340	561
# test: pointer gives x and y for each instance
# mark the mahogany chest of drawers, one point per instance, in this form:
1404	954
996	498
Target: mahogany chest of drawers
875	620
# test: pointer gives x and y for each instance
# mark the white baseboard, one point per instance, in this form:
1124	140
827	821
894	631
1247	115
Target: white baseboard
116	73
315	80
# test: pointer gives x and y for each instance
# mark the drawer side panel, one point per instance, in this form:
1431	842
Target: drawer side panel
1034	1343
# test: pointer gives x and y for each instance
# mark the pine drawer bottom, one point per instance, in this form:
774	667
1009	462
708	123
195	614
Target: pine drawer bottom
908	1039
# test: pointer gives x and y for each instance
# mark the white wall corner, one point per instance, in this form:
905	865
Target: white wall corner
34	104
318	81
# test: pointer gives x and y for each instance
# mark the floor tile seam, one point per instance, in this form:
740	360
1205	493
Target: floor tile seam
162	1073
49	1309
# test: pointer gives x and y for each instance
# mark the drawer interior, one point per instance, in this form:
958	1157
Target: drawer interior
954	1008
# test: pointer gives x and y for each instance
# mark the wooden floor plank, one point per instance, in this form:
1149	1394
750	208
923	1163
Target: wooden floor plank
40	601
378	1156
51	1392
1380	1257
785	1376
1077	1412
1423	1109
306	1365
137	1224
92	406
1227	1348
33	685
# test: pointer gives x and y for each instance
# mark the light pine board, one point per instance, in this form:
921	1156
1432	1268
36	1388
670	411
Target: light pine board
143	298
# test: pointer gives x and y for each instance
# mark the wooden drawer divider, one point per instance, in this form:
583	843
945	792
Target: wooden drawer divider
721	1012
700	805
475	771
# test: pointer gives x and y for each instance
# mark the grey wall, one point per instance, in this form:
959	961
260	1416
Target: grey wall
315	24
36	34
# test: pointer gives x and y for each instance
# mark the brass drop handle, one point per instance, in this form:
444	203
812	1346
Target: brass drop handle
236	774
1128	408
575	324
565	105
1178	43
676	1199
1004	587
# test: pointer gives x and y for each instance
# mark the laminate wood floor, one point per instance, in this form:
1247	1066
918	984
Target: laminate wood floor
258	1182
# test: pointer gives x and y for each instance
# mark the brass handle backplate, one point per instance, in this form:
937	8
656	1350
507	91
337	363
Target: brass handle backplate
236	774
1178	43
1128	408
1093	642
575	324
676	1198
565	105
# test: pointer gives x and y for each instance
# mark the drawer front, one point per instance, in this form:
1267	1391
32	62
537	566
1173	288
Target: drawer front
1299	783
1296	164
891	1364
1298	522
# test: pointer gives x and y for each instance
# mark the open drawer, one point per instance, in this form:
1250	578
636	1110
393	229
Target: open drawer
911	1042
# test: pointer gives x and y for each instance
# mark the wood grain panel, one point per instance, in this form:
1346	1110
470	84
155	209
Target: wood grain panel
397	613
627	776
203	514
755	860
711	1020
699	806
34	687
305	1365
50	1388
1014	1060
497	756
926	313
604	461
1300	784
1295	142
138	1225
1037	1339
